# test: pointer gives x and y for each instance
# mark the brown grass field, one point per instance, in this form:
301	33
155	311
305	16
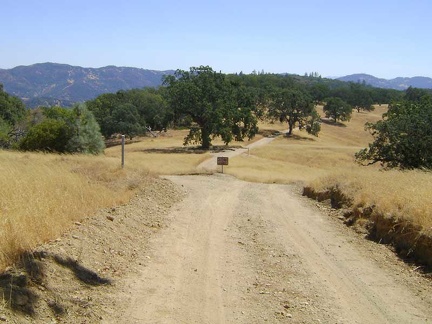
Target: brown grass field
390	206
42	195
328	161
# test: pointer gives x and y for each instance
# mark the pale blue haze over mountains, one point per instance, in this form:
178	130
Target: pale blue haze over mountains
384	38
61	84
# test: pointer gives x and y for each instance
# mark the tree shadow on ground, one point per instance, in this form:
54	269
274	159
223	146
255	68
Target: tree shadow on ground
83	274
190	150
298	138
16	293
57	308
332	123
270	132
17	285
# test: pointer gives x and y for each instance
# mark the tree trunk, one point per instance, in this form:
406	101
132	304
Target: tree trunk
205	136
290	128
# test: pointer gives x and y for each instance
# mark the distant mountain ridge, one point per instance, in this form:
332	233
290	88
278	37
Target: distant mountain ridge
47	84
399	83
53	83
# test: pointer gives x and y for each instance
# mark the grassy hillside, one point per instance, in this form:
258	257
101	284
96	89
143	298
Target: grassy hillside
162	155
42	195
391	206
302	157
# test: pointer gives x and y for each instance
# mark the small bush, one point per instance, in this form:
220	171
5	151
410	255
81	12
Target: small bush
65	131
50	135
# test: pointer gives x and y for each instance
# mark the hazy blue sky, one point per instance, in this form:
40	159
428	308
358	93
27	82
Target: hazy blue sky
386	38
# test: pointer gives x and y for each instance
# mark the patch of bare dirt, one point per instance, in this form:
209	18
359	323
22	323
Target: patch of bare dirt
410	241
239	252
79	277
214	249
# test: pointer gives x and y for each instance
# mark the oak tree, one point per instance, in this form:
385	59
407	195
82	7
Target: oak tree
296	109
216	106
337	109
403	138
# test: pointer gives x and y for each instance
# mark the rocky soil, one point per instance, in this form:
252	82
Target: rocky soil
214	249
79	277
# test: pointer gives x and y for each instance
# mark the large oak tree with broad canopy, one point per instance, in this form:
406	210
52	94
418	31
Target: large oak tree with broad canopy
217	106
403	138
295	108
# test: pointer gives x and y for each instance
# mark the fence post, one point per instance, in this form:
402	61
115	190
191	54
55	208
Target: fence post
123	151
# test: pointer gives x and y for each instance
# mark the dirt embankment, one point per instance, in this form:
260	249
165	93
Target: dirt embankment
214	249
239	252
410	241
78	278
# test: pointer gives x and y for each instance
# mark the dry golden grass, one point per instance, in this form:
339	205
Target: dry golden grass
161	155
399	194
166	154
41	195
302	157
328	161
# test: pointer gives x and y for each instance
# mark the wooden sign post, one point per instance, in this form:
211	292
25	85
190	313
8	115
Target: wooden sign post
222	160
123	151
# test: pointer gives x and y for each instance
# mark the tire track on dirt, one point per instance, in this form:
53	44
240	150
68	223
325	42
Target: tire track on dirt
360	290
183	280
239	252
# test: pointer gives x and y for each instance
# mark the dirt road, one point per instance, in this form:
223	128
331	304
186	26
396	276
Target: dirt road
238	252
210	165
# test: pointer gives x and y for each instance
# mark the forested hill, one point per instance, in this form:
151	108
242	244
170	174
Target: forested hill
48	84
52	83
397	83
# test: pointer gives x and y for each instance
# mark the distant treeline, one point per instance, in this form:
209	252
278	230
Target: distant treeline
207	102
132	112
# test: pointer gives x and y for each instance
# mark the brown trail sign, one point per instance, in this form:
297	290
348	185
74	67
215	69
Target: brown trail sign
222	160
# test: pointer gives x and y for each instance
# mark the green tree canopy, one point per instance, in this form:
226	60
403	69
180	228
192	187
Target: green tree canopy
416	94
337	109
130	112
217	106
319	91
295	108
51	135
12	109
102	108
63	130
403	138
126	120
152	107
361	97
